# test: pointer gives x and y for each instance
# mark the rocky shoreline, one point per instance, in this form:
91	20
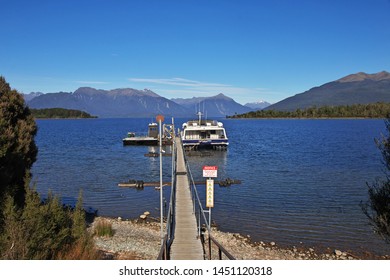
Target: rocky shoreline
140	240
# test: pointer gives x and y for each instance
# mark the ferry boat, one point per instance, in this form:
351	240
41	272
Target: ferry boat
204	134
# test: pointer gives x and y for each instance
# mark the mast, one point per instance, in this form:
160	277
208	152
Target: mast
200	117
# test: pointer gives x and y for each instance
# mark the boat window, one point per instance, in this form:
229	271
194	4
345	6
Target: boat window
191	135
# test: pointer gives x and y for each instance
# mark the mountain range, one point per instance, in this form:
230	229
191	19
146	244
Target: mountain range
359	88
219	105
129	102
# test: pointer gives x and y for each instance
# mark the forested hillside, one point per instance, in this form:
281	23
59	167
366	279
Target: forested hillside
376	110
60	113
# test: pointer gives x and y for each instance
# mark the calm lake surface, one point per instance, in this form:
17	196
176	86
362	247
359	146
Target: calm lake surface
302	180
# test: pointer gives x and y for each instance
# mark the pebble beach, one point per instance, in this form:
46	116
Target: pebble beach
140	240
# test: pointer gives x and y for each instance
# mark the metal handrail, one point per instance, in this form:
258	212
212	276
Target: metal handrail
221	250
170	228
196	202
164	253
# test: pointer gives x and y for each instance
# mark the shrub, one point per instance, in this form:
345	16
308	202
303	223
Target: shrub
377	209
103	228
44	230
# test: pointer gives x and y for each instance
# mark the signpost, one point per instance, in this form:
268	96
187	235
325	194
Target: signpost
210	172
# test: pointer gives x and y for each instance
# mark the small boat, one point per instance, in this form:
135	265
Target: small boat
204	134
150	140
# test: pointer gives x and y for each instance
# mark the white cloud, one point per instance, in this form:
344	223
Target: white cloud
185	88
177	82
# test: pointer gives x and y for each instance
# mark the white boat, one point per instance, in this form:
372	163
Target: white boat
204	134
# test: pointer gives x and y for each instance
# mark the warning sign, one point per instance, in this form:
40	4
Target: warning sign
210	193
210	171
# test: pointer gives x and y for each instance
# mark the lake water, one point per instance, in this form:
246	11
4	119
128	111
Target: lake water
302	180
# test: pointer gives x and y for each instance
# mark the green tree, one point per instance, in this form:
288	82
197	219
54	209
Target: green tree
17	146
377	208
79	228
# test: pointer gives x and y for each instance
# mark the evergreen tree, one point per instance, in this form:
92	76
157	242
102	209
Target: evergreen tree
79	228
17	147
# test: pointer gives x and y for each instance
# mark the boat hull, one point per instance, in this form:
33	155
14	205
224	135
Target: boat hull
140	141
144	141
206	143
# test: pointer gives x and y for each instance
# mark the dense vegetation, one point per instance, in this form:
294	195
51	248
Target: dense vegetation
17	146
376	110
377	208
31	228
59	113
45	230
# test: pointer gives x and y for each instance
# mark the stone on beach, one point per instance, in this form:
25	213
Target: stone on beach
338	252
133	240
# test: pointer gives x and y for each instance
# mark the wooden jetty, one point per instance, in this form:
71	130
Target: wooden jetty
140	184
186	244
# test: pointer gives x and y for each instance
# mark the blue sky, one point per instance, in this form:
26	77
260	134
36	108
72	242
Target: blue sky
246	49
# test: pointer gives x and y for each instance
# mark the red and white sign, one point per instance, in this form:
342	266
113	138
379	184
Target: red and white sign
210	171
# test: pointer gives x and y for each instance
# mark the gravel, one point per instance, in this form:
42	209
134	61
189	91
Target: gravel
140	240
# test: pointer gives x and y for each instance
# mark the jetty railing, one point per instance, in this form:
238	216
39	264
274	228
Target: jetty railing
164	253
201	218
170	224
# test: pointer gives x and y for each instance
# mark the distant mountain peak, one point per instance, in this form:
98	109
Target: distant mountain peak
359	88
361	76
85	90
31	95
195	100
220	96
117	92
260	104
218	105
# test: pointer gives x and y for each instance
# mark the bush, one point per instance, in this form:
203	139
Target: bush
377	209
103	228
44	230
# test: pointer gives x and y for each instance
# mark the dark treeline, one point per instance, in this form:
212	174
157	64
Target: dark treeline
59	113
376	110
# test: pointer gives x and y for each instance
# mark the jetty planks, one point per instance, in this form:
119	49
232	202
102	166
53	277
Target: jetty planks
186	244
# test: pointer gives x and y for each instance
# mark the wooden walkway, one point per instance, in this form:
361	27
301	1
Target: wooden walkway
186	245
